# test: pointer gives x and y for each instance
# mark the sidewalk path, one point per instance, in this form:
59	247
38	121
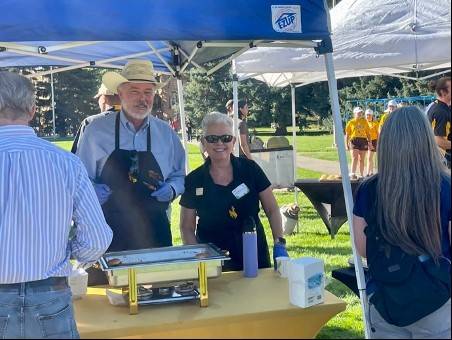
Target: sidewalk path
319	165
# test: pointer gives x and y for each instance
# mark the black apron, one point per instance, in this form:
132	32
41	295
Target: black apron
223	215
137	219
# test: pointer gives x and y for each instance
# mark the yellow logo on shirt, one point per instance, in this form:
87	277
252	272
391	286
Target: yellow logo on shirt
232	213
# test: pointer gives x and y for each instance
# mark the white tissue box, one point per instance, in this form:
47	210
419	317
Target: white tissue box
306	281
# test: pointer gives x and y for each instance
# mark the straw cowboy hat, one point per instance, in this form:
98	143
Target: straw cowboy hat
104	91
136	71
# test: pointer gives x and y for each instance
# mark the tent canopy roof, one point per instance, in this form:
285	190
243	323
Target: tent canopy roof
369	38
107	32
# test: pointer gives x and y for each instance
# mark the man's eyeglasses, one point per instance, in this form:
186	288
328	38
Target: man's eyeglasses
214	138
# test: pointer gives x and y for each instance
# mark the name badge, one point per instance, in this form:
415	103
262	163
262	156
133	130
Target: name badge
199	191
240	191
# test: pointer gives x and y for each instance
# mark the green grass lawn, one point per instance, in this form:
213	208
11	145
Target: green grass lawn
312	240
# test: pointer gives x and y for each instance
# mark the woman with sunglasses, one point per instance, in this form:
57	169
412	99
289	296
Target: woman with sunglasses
222	193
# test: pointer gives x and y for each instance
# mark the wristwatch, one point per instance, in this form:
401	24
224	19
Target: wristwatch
281	240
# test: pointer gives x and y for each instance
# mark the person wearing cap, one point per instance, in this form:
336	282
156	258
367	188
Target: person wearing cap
392	105
357	137
373	130
135	161
439	115
108	102
244	140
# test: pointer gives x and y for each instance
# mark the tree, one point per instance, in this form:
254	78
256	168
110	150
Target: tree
74	91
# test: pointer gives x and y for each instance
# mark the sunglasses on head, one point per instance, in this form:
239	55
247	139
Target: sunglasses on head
215	138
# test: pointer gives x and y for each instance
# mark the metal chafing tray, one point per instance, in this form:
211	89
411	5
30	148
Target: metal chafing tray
167	264
128	269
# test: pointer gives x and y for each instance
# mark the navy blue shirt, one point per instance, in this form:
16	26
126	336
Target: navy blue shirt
364	202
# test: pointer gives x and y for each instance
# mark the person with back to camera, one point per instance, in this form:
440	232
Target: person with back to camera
439	115
402	225
42	189
223	193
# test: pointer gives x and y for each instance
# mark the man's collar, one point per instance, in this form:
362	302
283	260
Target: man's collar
16	131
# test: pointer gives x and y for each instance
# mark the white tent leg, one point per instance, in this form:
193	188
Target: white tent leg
294	142
180	93
334	137
235	97
53	103
332	84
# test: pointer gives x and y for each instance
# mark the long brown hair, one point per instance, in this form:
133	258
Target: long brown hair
409	183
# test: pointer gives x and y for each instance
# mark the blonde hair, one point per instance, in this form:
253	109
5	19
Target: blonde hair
409	183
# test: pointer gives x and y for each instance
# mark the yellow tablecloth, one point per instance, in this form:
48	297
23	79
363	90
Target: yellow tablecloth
238	308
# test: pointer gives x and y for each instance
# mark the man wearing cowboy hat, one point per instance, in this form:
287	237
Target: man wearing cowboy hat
135	161
108	101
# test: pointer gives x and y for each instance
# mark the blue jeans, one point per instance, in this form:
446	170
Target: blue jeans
37	311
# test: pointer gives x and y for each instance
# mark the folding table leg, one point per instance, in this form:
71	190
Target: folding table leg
133	292
202	275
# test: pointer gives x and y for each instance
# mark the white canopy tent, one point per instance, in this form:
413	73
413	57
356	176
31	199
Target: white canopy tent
377	37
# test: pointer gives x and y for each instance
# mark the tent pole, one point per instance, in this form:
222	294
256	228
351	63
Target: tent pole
332	84
294	142
53	102
180	94
235	97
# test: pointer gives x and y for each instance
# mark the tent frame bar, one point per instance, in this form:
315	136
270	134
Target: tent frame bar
282	43
185	54
100	63
228	60
173	73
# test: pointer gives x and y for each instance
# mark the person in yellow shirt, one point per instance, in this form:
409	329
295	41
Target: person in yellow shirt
373	130
357	138
392	105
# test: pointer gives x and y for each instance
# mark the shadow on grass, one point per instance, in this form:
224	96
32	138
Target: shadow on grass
339	289
334	332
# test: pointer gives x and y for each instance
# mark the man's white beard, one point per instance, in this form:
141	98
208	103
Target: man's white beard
139	115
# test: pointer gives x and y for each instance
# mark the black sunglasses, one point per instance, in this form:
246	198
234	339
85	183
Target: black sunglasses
215	138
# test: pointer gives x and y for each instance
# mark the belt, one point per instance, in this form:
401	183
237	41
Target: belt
49	284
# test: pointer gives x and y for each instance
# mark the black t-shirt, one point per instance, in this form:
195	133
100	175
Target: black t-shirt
439	115
222	209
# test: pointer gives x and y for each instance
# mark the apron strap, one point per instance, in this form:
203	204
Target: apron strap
149	137
117	132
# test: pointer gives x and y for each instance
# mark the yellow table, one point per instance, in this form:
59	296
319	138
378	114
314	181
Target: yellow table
238	308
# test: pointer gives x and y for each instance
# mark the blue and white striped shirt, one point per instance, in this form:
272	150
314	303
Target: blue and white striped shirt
42	188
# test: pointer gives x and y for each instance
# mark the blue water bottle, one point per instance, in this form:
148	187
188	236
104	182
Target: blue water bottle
249	236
